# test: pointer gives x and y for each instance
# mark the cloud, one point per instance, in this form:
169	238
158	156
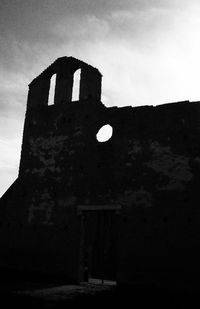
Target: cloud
7	177
86	28
13	93
147	55
9	149
147	51
9	162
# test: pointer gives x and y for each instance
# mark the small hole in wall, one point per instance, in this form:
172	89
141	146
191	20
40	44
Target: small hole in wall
104	134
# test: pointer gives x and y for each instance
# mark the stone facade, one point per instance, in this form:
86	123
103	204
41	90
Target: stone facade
125	209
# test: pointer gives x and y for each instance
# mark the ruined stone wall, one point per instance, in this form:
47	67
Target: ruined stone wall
153	152
39	226
150	167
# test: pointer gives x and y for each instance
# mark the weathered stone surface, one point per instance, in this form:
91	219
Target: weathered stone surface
150	167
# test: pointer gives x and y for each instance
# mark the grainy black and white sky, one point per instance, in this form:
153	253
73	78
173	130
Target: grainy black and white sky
147	50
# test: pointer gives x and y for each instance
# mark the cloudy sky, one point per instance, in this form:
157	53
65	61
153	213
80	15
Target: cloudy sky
147	50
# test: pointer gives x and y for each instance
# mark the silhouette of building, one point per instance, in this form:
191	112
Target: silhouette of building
126	209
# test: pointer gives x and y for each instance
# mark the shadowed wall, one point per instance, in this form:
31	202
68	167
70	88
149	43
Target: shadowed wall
150	167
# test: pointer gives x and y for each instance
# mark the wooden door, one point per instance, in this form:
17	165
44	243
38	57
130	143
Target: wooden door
99	252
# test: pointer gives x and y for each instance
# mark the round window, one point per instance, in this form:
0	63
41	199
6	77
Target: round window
104	133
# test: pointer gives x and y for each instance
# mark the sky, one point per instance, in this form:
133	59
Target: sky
147	50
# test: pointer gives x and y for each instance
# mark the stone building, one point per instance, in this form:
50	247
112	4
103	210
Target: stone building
126	209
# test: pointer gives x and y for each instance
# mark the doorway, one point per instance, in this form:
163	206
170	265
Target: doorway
98	246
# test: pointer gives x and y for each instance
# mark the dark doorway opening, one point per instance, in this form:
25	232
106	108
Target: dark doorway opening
98	250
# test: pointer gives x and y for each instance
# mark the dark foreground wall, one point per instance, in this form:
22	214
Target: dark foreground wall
146	175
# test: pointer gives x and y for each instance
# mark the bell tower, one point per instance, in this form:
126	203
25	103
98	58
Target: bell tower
64	69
